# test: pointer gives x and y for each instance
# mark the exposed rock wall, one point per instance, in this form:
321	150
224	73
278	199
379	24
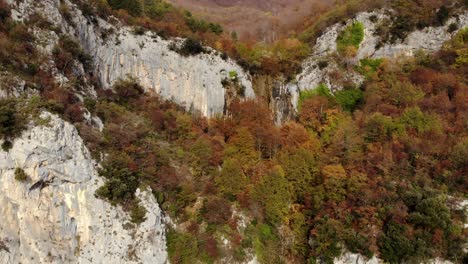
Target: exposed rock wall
429	39
61	221
117	52
352	258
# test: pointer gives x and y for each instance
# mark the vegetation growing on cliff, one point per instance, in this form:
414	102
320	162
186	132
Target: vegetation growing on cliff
367	169
350	37
362	170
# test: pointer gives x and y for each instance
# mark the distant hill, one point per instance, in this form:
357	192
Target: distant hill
264	20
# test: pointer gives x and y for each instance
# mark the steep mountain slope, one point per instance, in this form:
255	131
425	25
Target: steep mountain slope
54	217
366	162
192	81
429	39
256	19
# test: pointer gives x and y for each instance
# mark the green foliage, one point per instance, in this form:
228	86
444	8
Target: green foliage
368	67
242	149
395	244
121	182
459	45
414	118
231	180
312	195
138	214
182	247
264	241
357	243
201	25
200	151
274	194
339	13
352	36
156	9
326	239
20	175
442	15
432	213
300	170
12	121
321	90
348	99
134	7
379	127
191	47
127	89
334	182
233	75
404	93
459	154
70	45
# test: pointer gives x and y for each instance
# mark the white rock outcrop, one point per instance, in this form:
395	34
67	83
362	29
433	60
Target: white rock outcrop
193	81
352	258
429	39
55	217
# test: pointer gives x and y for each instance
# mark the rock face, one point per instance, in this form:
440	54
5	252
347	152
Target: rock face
429	39
118	52
351	258
54	217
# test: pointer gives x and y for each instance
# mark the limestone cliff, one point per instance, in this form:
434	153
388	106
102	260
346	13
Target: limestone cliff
54	217
320	67
118	52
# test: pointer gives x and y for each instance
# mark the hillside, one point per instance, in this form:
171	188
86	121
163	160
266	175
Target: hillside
257	20
138	132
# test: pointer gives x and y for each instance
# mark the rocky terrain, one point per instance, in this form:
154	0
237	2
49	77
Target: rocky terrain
429	39
54	216
193	81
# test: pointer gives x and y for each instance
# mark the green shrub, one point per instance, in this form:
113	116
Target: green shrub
127	89
442	15
138	213
379	127
20	175
367	67
395	245
231	180
191	47
12	123
274	194
121	182
414	118
352	36
403	93
459	154
134	8
321	90
348	99
326	239
264	240
401	27
157	9
182	247
233	75
7	145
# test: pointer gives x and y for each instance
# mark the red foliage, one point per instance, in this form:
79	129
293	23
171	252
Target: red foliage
217	210
210	246
293	135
